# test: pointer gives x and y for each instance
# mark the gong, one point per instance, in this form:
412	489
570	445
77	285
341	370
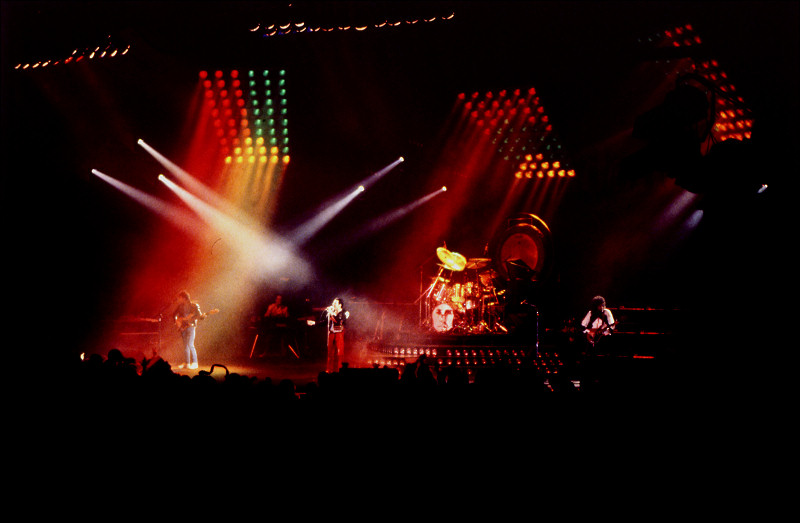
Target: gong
523	250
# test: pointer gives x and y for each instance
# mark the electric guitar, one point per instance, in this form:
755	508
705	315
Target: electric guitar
593	335
182	322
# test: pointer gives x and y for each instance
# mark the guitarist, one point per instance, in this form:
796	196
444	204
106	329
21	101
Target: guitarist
598	322
186	315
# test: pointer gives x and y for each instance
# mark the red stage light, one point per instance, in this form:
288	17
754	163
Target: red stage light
218	74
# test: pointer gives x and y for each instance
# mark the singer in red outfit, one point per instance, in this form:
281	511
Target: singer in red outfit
337	319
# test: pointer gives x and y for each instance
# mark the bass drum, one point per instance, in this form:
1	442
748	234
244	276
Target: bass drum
442	318
524	250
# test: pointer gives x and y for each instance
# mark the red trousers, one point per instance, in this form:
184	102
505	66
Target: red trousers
335	351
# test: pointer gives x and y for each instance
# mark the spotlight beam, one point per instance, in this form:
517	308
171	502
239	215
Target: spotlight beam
179	217
394	215
373	179
190	181
258	253
387	219
302	233
306	231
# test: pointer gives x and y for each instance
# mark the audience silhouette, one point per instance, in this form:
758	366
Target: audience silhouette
115	378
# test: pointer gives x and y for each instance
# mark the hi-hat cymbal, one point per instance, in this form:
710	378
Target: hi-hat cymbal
478	263
451	260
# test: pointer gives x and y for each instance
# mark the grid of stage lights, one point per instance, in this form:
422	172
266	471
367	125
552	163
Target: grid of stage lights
302	27
520	130
466	357
109	50
733	120
250	114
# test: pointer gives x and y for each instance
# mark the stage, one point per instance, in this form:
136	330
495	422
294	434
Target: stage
501	361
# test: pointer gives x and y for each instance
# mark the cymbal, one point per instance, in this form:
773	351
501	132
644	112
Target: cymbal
451	260
478	263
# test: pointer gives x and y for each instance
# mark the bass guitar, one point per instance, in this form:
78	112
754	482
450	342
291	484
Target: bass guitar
182	322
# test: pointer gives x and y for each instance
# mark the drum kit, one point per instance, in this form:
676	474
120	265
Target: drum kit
463	297
489	295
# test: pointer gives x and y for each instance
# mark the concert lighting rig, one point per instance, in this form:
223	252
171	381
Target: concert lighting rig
108	50
682	46
520	131
249	114
470	358
684	134
290	28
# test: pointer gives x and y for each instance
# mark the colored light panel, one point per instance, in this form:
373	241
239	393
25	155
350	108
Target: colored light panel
254	102
519	129
733	119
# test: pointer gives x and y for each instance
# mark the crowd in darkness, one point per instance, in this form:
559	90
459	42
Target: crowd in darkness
116	378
